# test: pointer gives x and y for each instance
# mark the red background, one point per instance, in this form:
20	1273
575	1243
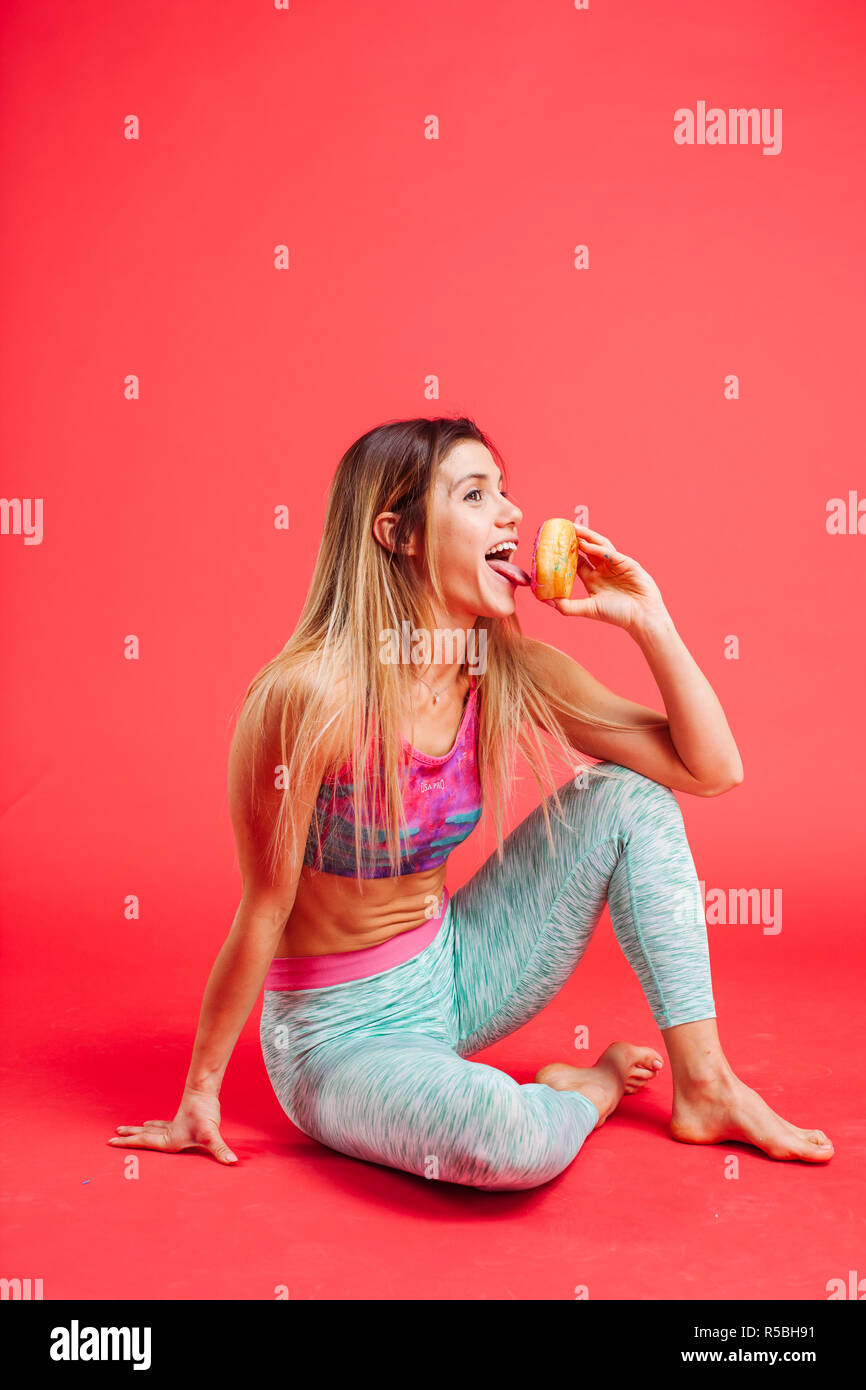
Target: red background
413	258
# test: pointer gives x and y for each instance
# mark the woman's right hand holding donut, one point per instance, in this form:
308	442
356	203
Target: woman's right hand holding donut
195	1126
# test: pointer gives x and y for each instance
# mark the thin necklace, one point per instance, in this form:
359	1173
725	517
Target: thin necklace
436	693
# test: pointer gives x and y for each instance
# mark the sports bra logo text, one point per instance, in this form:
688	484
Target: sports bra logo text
430	786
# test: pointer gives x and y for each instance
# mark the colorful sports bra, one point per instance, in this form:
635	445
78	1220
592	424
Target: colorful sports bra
441	801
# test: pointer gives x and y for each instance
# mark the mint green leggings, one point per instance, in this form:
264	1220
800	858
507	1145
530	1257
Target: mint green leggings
378	1067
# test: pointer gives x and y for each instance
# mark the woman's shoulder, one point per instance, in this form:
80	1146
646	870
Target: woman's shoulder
293	704
537	657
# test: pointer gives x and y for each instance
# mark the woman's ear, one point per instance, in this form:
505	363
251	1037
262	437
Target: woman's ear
384	528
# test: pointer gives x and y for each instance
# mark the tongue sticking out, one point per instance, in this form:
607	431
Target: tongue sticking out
509	571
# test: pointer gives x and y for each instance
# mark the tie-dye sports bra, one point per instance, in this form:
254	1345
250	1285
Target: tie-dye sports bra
441	800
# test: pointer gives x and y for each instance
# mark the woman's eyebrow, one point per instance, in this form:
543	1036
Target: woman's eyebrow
483	476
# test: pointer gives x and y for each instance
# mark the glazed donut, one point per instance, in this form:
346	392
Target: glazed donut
554	559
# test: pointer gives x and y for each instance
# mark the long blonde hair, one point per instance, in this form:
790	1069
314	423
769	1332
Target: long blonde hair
358	590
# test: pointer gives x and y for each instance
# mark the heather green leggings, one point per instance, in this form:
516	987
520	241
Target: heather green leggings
378	1067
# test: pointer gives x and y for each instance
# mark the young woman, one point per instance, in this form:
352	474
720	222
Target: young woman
408	662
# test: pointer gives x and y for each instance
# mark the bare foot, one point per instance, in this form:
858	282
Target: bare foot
711	1111
620	1070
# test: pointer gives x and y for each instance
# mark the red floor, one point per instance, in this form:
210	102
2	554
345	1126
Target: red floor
636	1216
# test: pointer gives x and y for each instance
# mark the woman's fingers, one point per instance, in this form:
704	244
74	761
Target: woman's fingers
137	1137
220	1150
600	547
213	1141
580	528
156	1134
605	547
148	1124
604	553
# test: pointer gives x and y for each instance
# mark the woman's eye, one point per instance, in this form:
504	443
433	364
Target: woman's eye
478	492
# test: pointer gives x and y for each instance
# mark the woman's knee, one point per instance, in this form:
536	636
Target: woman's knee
518	1148
613	799
512	1172
634	784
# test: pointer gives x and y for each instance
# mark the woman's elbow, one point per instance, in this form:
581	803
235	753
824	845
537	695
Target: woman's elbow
727	783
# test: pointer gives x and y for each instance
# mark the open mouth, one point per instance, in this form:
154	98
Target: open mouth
498	558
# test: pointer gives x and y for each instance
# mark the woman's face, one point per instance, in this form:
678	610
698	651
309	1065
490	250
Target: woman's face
471	514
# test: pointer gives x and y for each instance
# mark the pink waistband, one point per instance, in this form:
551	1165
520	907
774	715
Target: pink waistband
312	972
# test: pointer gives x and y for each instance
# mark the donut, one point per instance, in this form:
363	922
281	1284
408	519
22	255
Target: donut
554	559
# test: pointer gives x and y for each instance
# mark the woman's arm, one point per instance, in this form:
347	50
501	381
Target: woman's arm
693	749
242	963
698	728
239	969
233	985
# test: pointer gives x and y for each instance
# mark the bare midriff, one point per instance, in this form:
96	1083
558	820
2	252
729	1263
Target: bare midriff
334	913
